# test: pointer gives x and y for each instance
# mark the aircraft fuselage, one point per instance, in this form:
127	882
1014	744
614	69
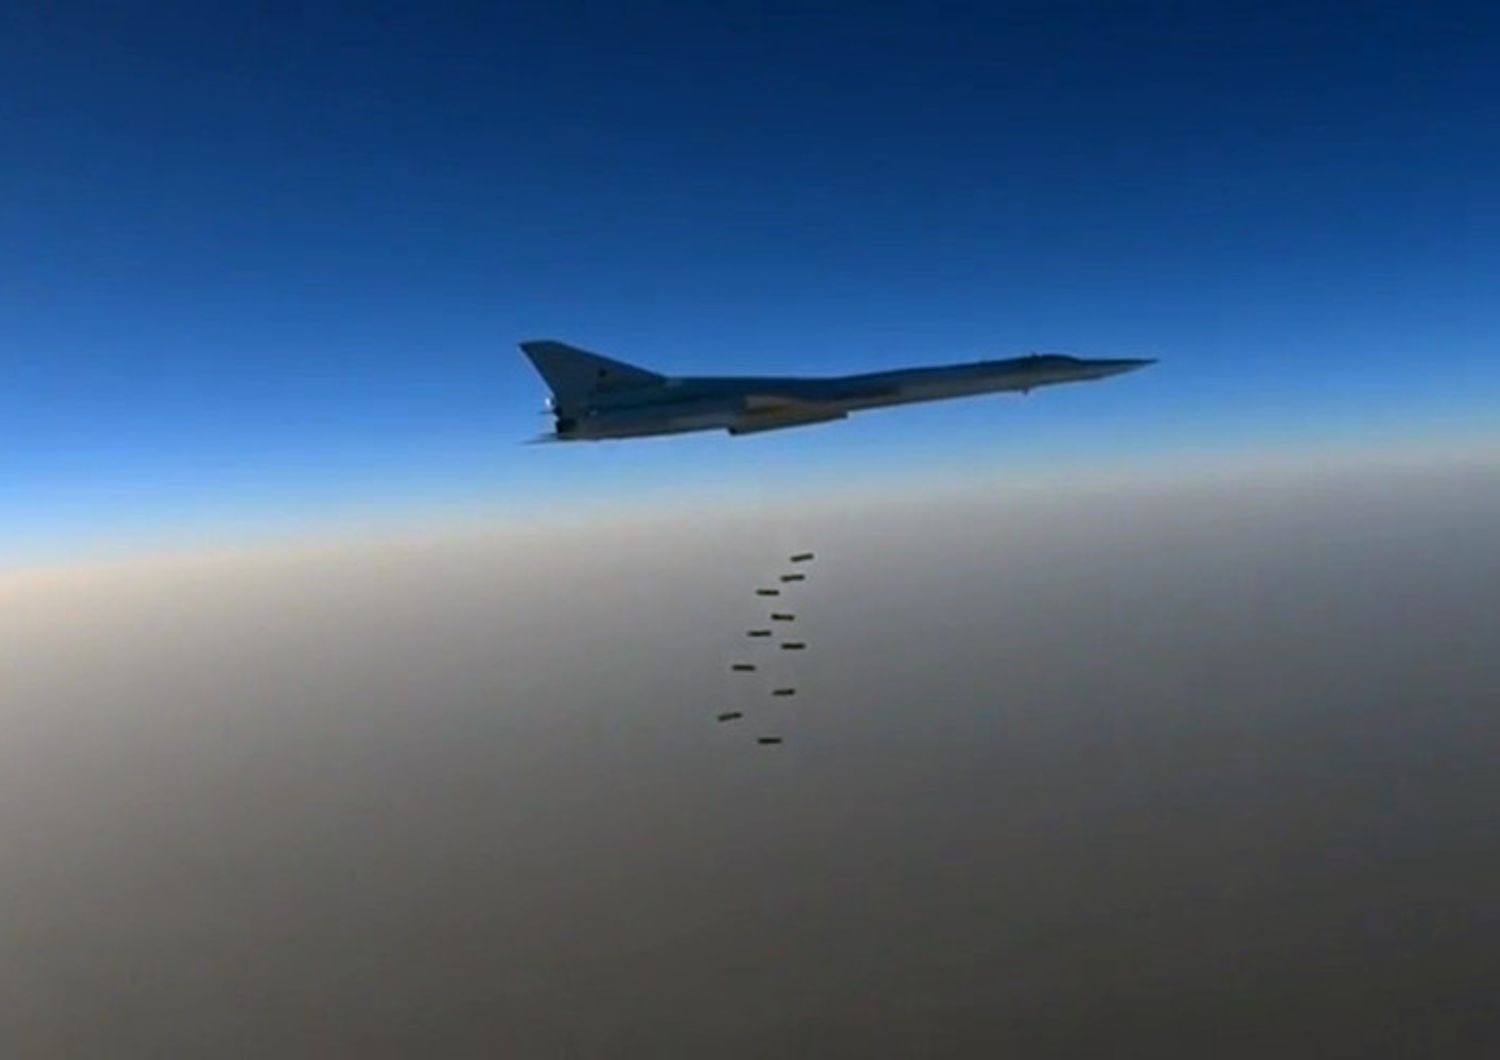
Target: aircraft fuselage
623	405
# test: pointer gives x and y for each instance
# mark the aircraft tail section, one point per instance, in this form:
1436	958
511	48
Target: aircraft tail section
573	374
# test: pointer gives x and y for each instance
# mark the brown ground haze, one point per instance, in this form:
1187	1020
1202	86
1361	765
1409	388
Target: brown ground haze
1197	769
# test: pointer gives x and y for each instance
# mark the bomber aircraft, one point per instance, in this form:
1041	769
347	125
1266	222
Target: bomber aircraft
596	398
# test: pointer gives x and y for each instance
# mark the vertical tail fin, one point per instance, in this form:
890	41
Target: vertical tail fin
573	374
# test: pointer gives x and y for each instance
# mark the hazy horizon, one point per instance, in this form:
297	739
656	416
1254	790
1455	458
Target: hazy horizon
1199	768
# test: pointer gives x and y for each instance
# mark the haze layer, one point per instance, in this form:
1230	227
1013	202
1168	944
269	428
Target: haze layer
1146	769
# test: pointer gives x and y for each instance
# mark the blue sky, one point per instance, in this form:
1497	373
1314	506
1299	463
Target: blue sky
269	261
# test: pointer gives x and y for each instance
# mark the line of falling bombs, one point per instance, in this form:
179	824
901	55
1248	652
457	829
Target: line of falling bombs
767	633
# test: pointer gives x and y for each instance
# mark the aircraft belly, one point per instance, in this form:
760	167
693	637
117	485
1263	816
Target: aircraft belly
756	424
931	391
644	423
